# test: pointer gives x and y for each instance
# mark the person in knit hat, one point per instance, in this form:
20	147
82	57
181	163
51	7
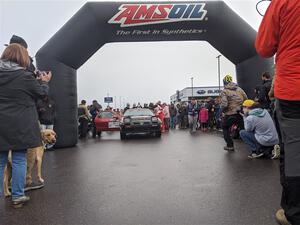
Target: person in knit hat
19	40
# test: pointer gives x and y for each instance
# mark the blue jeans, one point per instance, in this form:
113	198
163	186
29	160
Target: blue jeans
19	166
173	122
249	139
193	120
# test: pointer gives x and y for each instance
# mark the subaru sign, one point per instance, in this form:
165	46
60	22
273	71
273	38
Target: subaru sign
201	92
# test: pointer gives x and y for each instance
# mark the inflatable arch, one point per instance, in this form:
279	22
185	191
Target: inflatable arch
97	23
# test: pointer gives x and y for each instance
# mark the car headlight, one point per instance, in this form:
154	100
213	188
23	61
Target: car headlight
154	119
127	120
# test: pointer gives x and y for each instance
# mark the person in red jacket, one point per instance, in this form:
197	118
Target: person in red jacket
279	34
159	114
203	118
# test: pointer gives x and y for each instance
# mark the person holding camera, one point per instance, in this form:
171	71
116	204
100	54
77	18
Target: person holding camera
260	133
279	33
19	128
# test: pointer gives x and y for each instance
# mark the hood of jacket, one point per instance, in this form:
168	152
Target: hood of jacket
258	112
231	86
9	66
5	68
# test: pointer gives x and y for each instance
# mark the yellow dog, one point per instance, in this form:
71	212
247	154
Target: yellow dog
34	155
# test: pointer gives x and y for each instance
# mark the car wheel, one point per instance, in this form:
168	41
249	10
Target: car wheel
99	133
122	136
158	134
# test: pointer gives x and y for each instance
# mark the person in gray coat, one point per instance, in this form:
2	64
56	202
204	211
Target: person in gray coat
260	133
19	129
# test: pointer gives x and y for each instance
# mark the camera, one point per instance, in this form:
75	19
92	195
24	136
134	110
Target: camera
41	73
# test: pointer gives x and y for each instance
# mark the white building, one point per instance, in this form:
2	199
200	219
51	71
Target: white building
196	92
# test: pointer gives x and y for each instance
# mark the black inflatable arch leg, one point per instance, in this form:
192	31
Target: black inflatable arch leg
63	90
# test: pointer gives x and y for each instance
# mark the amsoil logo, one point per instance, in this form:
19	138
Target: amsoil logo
144	14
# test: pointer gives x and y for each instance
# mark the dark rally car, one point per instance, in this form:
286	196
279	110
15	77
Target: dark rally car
139	121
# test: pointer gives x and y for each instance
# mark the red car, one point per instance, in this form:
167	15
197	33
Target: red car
107	121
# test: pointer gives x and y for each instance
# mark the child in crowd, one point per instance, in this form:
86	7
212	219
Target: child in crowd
203	118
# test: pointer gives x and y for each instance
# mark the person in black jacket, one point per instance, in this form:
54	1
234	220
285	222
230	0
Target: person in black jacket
211	113
19	129
128	107
263	97
46	111
173	116
94	110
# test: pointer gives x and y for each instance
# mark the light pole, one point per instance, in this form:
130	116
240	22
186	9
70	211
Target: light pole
192	81
219	73
107	102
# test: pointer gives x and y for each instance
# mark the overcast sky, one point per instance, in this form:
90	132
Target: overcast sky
133	72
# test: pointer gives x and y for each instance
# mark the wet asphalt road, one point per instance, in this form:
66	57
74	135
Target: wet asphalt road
179	179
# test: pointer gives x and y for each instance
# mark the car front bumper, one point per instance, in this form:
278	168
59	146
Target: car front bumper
134	129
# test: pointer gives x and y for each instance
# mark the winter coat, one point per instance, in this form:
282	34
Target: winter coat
260	122
95	109
166	112
193	110
182	110
173	111
232	98
203	115
263	97
279	33
19	90
83	112
159	114
211	107
46	111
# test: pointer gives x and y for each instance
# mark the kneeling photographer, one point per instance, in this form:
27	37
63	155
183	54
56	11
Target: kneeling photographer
260	133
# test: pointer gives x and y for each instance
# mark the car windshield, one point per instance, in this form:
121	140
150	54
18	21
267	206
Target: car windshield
108	115
138	112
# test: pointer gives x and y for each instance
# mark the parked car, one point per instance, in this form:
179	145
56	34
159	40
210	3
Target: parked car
107	121
139	121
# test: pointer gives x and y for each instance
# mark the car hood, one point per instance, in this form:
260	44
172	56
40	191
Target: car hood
141	117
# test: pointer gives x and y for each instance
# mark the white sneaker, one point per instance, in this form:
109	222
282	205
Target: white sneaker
280	217
18	202
276	152
255	156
